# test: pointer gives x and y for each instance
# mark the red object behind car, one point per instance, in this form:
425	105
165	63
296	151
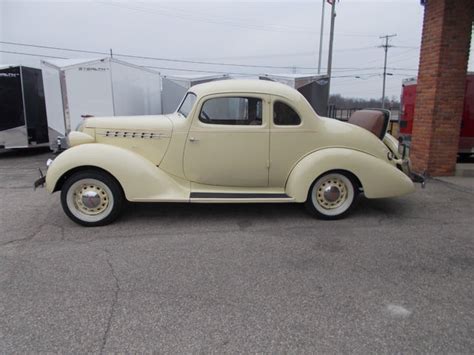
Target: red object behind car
408	98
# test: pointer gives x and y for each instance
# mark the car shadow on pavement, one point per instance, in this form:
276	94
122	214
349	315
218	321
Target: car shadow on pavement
289	211
212	210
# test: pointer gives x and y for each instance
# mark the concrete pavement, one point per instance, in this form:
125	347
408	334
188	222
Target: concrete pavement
396	276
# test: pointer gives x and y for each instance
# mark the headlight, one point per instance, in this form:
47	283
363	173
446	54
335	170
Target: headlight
80	126
77	138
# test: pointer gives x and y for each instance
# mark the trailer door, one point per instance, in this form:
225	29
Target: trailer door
35	109
136	91
87	91
13	132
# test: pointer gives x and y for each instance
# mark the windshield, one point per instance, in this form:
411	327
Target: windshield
187	104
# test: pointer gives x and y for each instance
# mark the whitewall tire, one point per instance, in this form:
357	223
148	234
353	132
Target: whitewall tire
332	195
92	198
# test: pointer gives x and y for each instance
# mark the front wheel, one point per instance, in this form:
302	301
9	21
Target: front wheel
92	198
332	196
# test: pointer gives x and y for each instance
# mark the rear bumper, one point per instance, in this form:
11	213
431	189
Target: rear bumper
415	177
418	178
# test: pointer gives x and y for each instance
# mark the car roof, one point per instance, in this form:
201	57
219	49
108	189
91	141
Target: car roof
245	85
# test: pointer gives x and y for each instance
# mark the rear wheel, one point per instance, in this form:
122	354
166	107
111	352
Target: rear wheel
92	198
332	196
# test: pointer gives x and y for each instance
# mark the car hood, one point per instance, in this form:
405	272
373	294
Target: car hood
160	123
148	136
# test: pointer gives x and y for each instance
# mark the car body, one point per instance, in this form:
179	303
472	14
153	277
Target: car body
232	141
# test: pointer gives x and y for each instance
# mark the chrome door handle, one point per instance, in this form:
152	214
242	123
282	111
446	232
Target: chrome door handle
192	139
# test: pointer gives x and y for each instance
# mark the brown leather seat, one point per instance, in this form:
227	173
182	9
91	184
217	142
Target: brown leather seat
374	121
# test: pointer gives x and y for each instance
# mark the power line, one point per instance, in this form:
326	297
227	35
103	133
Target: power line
174	59
181	69
204	20
273	55
54	48
152	58
195	19
393	56
285	28
145	66
228	20
403	59
392	68
192	17
32	54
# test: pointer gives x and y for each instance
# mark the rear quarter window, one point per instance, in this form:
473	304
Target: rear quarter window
284	115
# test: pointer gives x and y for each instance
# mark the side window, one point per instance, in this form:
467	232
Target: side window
246	111
187	104
284	115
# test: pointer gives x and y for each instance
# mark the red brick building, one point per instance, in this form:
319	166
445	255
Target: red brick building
447	29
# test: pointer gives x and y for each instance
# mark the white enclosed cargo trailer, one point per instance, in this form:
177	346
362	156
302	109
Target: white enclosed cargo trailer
175	86
314	87
75	88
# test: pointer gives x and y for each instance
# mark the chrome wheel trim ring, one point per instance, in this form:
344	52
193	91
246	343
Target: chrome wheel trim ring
90	200
332	194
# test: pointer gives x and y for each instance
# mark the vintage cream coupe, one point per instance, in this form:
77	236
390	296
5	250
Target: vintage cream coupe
232	141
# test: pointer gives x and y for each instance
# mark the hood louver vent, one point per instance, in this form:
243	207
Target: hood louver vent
132	134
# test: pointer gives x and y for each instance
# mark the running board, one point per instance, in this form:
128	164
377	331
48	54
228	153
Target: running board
243	195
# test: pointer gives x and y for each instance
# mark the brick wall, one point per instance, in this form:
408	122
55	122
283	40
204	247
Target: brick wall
441	82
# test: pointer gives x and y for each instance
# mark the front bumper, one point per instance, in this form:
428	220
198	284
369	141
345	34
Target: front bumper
42	179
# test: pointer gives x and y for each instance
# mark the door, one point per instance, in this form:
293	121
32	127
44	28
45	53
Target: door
35	108
87	90
13	130
228	142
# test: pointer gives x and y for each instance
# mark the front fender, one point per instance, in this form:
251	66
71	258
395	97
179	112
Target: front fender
140	179
378	177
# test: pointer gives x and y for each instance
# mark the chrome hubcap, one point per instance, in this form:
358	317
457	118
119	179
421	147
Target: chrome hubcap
90	199
331	193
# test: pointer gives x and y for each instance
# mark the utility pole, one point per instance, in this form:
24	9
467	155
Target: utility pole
321	38
331	40
385	46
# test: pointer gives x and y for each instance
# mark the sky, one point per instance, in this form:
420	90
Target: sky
240	37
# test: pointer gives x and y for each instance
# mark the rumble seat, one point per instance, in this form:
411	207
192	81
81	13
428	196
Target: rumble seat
373	120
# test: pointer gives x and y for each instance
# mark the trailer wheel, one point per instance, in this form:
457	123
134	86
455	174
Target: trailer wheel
92	198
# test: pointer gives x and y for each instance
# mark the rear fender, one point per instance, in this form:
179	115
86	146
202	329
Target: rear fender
378	177
140	179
